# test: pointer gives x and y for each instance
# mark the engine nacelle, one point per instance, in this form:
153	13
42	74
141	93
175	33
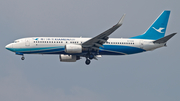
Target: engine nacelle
68	58
71	48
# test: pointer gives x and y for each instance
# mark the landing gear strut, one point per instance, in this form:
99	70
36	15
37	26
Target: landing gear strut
91	56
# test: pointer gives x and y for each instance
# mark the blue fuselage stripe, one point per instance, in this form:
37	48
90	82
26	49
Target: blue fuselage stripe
106	50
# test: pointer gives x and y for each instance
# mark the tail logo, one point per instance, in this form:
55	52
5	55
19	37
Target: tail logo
159	30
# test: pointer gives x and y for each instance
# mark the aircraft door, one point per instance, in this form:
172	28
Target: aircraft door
27	43
141	42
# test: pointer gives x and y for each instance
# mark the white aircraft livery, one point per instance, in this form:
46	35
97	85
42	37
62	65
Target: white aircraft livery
71	49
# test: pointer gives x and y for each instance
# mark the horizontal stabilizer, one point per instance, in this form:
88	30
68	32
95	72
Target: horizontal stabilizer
165	39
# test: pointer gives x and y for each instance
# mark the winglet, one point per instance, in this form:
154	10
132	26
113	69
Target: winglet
121	20
164	39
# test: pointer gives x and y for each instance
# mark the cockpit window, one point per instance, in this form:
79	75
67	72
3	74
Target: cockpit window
16	41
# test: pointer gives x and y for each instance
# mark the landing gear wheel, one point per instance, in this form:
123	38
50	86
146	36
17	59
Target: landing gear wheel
22	58
87	61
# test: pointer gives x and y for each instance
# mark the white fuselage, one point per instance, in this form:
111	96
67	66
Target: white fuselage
56	45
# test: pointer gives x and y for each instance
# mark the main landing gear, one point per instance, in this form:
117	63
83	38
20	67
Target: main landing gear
89	57
87	61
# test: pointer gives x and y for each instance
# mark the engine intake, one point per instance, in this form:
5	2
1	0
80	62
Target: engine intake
70	48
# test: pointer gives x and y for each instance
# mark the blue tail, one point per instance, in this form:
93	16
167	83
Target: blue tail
158	29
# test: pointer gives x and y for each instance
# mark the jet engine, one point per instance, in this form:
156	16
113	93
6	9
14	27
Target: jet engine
70	48
68	58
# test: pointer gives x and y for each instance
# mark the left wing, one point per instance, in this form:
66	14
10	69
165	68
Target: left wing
99	40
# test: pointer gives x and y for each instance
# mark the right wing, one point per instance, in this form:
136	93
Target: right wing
99	40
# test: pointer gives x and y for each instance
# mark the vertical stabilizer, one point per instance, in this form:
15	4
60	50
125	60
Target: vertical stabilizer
158	29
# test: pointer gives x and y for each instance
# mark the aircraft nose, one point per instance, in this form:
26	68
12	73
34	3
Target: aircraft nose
9	46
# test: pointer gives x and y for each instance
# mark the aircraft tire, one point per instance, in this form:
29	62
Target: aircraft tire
87	61
22	58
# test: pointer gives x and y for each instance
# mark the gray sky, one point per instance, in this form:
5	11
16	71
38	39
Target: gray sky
150	76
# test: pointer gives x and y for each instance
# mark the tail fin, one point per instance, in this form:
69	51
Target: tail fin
158	29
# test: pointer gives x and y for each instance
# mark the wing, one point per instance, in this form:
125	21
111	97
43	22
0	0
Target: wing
99	40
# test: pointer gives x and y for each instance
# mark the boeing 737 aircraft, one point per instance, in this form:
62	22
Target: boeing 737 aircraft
71	49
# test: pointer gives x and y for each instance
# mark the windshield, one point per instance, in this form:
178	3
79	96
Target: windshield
16	41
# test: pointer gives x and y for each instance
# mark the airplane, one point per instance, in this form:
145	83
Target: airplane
71	49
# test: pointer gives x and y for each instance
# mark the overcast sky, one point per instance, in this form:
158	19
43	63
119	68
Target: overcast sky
149	76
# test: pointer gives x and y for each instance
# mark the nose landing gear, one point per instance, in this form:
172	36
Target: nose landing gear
22	58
